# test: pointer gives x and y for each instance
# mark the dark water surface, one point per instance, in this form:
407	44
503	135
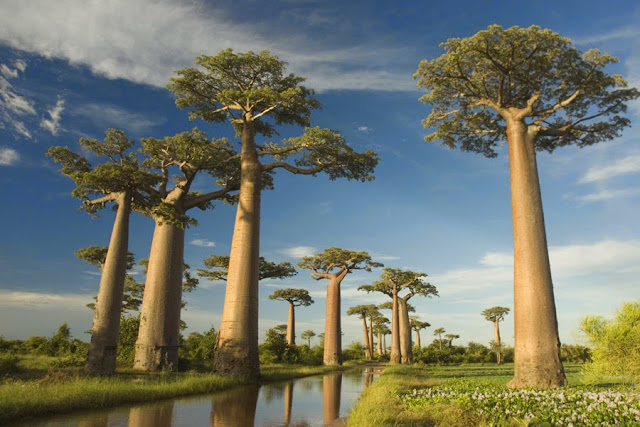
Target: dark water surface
310	401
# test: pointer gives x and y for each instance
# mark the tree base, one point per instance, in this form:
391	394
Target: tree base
236	361
101	361
156	358
538	377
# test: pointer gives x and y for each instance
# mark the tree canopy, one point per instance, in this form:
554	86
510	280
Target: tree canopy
335	259
528	74
408	280
495	314
218	268
363	310
297	297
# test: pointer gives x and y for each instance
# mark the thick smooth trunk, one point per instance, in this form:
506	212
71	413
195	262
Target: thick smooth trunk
106	320
537	343
371	336
379	344
405	333
384	345
418	339
395	329
332	331
367	347
331	386
291	325
496	341
237	350
159	332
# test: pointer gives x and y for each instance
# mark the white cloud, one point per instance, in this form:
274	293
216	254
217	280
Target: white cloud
382	257
299	251
55	114
8	156
364	129
105	115
35	300
619	33
628	164
497	259
605	194
203	243
145	40
13	106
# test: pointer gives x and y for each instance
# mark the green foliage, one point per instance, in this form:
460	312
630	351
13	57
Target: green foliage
199	348
276	350
615	344
355	351
411	281
339	259
363	310
8	364
307	335
97	255
565	95
127	338
575	353
218	268
297	297
495	314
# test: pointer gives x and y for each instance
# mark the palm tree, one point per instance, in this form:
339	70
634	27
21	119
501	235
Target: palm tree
307	335
438	332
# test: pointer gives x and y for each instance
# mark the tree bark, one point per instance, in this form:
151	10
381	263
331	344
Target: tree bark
418	339
291	325
406	353
496	341
367	347
332	331
396	356
537	343
237	350
379	346
371	336
159	332
384	345
106	321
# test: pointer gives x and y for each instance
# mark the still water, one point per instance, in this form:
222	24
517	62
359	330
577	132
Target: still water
311	401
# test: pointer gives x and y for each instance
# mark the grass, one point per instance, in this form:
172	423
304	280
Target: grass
67	390
453	396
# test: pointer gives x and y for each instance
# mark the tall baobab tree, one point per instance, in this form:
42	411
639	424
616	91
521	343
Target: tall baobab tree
393	281
365	311
381	329
450	338
534	89
496	315
253	92
123	181
334	264
438	332
307	335
295	298
417	326
189	154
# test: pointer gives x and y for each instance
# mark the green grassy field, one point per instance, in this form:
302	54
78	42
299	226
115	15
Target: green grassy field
475	395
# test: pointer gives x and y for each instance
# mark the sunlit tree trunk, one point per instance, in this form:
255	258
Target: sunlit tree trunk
367	347
379	345
237	350
159	332
331	385
332	333
405	333
384	345
106	321
291	325
395	328
371	336
418	339
537	343
497	342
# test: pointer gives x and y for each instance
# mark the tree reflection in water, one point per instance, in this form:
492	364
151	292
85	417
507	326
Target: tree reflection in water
331	385
156	415
235	408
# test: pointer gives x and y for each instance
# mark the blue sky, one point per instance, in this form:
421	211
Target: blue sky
72	68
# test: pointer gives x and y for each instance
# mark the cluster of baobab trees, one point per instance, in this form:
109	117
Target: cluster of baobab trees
528	86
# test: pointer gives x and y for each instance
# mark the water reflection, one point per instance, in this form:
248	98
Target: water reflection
288	401
156	415
331	385
236	407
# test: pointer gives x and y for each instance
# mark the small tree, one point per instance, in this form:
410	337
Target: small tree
295	298
121	180
307	335
496	315
450	338
253	92
535	90
334	264
365	311
381	329
417	326
438	332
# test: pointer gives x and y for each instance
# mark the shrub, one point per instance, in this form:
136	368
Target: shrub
8	364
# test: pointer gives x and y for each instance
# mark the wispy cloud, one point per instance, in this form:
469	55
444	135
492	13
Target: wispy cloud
43	300
203	243
52	124
13	106
299	251
99	35
364	129
104	115
616	34
8	156
627	165
605	194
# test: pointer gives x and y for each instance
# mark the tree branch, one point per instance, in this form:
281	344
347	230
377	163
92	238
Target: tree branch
546	113
293	169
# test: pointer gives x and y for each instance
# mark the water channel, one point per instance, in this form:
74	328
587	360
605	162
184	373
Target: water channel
311	401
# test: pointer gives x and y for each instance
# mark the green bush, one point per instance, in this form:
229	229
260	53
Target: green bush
8	364
615	345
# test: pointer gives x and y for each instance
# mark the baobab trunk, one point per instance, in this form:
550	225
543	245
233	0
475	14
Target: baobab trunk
496	341
332	333
379	346
367	347
537	344
405	333
159	332
291	326
106	320
371	336
395	329
418	339
237	350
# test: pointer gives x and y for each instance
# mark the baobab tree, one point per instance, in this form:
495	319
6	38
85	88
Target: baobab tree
496	315
123	181
438	332
307	335
334	264
417	326
253	92
295	298
381	329
189	154
450	338
392	281
535	90
365	311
